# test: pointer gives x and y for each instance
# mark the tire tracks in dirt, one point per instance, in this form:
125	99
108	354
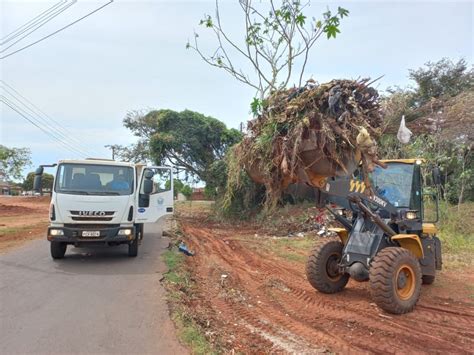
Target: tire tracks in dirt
266	303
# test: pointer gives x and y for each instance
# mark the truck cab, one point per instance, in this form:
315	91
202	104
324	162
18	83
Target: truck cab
104	202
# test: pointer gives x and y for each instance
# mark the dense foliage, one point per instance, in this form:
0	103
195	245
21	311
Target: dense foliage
440	111
13	161
46	182
190	141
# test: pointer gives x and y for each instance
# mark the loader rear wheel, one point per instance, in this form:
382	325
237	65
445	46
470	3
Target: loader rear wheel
395	280
322	268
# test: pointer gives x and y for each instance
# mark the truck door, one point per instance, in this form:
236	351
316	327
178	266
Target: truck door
160	201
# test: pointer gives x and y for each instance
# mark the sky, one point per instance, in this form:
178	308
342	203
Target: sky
132	55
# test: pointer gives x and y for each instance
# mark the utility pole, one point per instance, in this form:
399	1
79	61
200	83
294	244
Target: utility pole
112	147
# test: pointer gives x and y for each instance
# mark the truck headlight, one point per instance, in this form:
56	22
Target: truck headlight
412	214
56	232
125	232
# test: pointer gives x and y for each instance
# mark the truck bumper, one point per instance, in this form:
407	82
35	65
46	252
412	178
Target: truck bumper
71	235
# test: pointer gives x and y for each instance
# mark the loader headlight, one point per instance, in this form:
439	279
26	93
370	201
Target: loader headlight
56	232
412	214
340	211
127	232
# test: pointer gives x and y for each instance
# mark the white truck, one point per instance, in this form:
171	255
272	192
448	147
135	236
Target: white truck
104	202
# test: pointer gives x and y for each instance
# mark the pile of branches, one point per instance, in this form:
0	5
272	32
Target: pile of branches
333	121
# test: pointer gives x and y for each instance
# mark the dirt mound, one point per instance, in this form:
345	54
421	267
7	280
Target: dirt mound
14	210
309	133
258	301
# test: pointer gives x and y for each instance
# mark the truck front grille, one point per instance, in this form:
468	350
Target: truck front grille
91	226
84	219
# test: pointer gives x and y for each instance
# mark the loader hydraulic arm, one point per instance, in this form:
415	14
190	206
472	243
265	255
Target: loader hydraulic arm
351	189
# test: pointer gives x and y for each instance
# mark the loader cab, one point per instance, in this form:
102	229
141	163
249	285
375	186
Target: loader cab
400	184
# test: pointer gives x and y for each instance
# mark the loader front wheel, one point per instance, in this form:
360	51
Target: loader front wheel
395	280
322	268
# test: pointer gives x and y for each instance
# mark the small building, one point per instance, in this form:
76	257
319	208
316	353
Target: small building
7	188
198	194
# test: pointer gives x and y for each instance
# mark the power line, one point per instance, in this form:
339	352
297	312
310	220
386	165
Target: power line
13	33
38	25
18	110
63	131
57	31
37	124
51	129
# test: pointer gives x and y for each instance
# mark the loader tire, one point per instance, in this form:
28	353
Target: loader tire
395	280
427	279
58	250
322	269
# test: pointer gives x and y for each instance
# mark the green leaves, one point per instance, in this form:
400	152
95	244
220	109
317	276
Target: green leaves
256	106
342	12
332	22
300	19
207	22
331	31
12	161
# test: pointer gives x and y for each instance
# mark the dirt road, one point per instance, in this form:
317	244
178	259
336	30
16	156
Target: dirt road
93	301
255	298
22	219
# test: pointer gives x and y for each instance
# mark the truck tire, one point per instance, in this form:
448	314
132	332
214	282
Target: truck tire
427	279
133	247
58	249
395	280
322	268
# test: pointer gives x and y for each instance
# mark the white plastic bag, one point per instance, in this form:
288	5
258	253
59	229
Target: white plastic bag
404	134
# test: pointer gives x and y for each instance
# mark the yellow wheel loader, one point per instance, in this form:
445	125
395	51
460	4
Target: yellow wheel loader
387	241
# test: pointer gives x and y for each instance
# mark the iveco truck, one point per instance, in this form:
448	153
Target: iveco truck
104	202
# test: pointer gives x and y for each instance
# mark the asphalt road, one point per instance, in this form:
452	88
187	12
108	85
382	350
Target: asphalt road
92	301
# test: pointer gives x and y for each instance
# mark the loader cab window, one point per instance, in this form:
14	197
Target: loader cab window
89	179
395	183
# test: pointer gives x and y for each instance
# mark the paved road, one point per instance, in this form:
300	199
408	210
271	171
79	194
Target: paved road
92	301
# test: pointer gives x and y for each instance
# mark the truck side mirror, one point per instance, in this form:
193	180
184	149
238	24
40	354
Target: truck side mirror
149	174
37	182
147	186
436	176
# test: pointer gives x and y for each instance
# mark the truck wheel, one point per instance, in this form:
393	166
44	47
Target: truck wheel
395	280
427	279
58	249
322	268
133	247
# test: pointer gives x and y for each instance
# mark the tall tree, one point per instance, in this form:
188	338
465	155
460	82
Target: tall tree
189	140
441	78
46	182
276	42
13	161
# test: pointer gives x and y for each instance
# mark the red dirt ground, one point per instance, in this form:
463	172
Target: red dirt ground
264	304
22	219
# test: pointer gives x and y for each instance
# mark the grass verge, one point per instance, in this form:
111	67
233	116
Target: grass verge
177	281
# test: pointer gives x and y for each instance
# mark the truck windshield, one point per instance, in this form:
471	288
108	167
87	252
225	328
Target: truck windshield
89	179
394	183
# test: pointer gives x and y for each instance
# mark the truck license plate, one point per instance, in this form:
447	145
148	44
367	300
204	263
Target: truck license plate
91	234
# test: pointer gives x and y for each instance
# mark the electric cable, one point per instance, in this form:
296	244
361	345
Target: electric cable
44	13
15	108
39	25
58	127
57	31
